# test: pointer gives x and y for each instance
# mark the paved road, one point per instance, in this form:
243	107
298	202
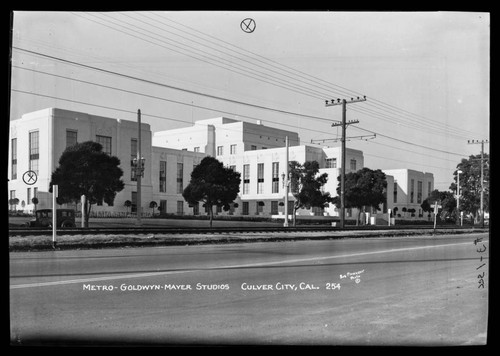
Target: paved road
393	291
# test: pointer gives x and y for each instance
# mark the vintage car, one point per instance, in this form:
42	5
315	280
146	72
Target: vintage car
43	218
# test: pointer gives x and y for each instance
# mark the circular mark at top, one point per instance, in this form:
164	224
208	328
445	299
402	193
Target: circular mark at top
29	177
248	25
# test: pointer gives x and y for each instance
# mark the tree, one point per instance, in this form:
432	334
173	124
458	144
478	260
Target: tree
363	188
307	187
445	199
127	204
212	184
13	202
470	184
84	169
153	205
34	200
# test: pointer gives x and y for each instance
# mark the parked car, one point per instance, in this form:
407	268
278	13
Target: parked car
43	218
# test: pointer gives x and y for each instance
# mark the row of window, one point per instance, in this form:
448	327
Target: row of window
260	178
34	149
29	197
412	191
220	150
332	163
162	178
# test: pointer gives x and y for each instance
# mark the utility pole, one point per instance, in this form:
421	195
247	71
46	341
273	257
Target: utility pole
138	170
344	124
481	209
286	183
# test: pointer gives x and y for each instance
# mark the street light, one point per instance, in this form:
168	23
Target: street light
138	167
139	170
458	197
286	184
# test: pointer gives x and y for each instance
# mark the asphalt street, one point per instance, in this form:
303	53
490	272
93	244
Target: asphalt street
361	291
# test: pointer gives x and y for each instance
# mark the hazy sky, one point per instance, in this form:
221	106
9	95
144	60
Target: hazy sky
426	75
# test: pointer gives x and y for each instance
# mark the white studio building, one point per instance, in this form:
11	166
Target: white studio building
258	152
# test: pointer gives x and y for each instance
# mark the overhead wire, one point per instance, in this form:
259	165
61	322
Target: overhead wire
412	124
210	60
373	101
216	97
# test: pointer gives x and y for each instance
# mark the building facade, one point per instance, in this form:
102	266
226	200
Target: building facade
258	152
408	190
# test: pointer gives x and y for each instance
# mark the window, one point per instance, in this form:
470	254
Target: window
264	148
245	208
35	192
419	192
12	196
220	150
274	208
353	164
276	177
180	175
331	163
133	155
290	207
260	178
28	196
246	178
348	212
14	159
260	207
412	190
163	206
395	192
180	207
233	168
71	137
34	151
233	149
253	147
196	149
163	176
218	209
105	141
429	188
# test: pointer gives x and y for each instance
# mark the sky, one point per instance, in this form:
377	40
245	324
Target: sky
425	75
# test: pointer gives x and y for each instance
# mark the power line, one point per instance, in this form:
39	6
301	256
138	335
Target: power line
134	112
210	60
185	104
305	91
378	103
159	98
169	86
213	96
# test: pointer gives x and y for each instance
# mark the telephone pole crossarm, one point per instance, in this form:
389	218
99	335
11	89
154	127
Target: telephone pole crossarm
340	101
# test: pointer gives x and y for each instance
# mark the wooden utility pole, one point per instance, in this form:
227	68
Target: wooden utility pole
138	170
344	124
286	183
481	209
